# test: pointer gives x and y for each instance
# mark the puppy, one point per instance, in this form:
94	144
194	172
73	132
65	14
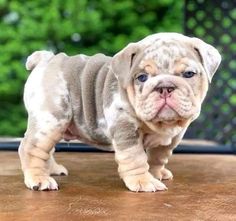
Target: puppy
138	103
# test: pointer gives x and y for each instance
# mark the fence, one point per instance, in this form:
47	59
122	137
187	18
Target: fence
215	22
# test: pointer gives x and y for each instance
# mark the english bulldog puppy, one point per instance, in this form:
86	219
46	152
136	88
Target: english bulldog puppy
138	103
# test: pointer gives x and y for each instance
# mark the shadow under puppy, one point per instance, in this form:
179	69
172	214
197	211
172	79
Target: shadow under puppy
138	103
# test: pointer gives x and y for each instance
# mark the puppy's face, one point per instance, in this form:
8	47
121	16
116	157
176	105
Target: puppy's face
168	79
168	83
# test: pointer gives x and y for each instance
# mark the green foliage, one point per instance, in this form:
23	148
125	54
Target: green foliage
84	26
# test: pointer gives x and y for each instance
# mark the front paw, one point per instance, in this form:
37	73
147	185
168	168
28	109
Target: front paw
161	173
39	181
143	183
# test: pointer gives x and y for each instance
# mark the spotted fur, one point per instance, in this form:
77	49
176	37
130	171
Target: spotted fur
100	101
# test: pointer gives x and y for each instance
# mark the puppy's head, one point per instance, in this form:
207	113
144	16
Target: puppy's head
166	76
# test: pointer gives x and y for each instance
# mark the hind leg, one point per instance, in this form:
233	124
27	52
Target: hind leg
55	168
47	100
35	152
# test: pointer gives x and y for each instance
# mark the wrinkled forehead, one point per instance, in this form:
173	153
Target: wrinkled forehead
165	53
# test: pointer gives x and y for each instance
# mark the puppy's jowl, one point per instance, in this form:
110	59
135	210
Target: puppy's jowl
138	103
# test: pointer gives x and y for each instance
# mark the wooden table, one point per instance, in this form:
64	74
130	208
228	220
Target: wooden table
203	188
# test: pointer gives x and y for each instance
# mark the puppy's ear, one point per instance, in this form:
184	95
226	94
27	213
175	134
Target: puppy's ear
122	63
209	56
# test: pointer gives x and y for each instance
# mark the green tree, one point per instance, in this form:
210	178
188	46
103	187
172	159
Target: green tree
73	26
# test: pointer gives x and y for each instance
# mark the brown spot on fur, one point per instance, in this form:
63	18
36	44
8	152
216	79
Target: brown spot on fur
130	93
150	66
182	123
180	65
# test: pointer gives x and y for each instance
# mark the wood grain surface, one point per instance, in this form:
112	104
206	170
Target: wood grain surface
203	188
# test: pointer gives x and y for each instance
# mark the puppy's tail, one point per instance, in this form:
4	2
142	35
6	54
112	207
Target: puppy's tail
38	57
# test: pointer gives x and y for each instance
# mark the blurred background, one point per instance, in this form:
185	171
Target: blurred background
106	26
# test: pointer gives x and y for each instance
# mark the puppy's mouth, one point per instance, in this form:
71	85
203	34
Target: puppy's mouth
168	109
166	114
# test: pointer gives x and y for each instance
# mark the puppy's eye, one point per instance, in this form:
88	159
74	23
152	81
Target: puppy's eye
188	74
142	77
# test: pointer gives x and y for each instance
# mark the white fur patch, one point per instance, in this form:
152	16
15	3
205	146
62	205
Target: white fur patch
112	112
102	126
45	119
33	93
35	97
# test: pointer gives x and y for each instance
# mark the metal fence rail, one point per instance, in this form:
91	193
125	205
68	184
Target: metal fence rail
214	21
